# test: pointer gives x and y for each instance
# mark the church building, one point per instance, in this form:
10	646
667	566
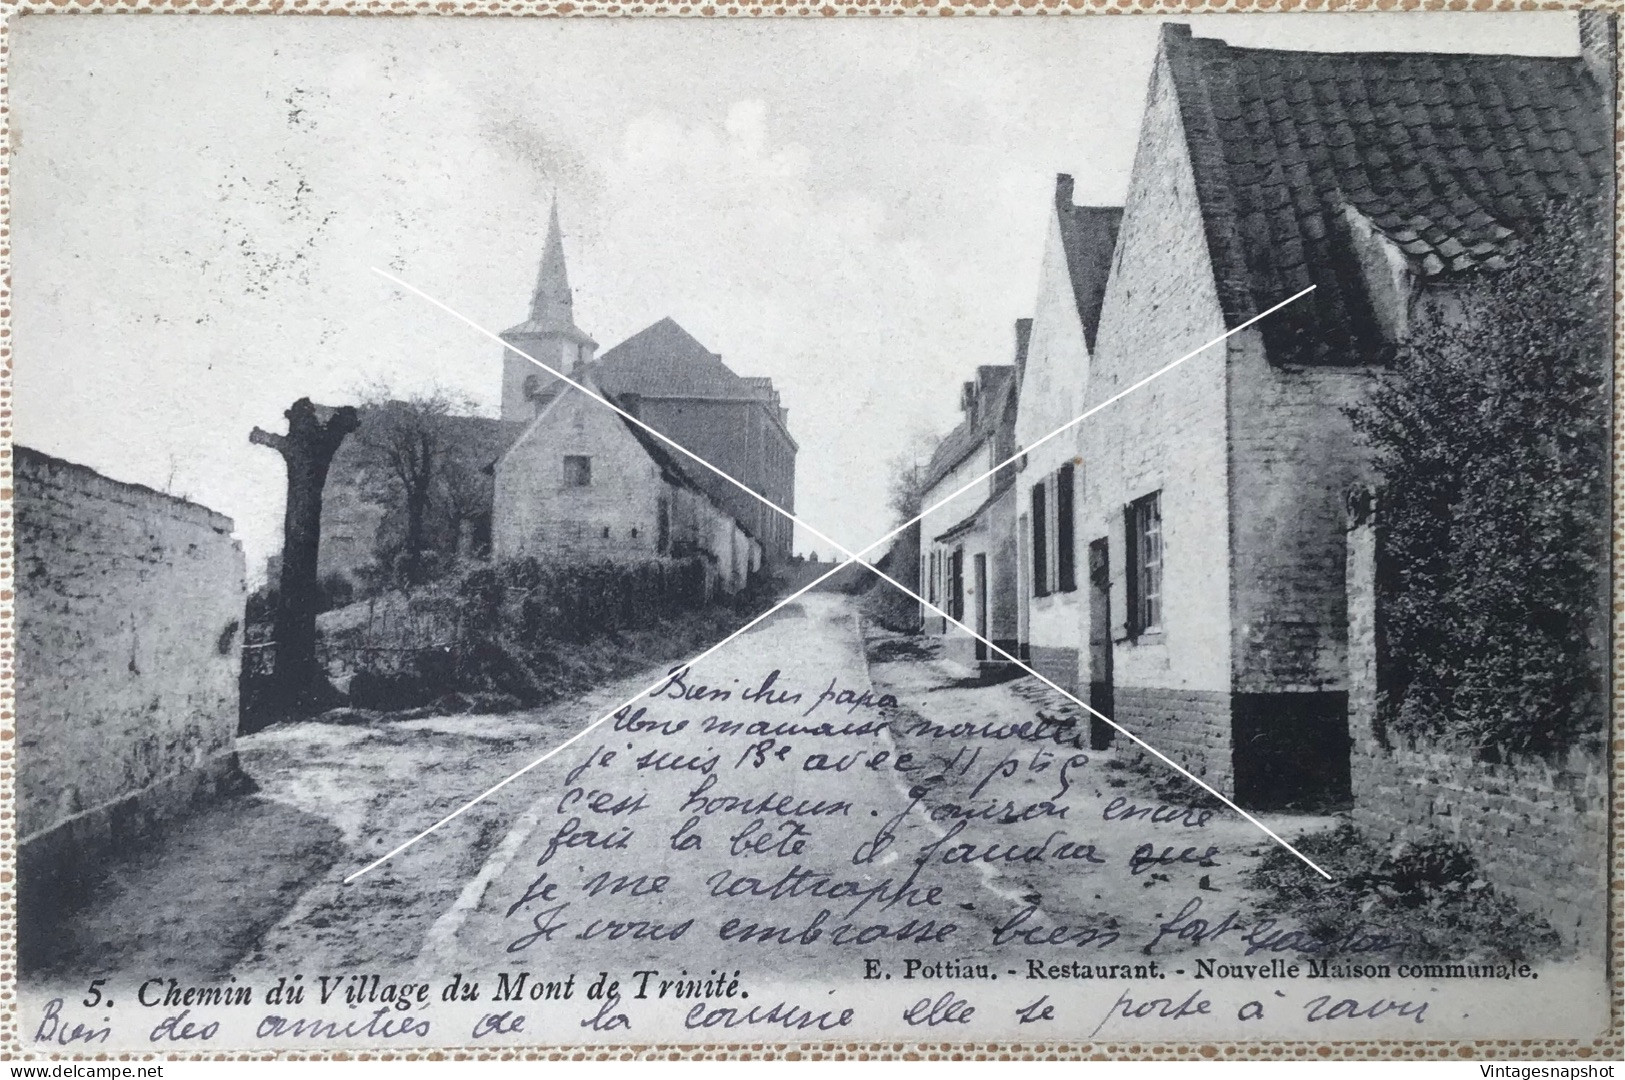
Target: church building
674	384
559	476
583	482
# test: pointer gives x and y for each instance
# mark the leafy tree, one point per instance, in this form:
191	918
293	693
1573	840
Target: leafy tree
1491	432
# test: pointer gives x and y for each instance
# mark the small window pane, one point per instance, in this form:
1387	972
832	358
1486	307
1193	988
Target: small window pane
1145	551
577	471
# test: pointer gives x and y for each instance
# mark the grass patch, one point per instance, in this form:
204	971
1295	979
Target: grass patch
1427	895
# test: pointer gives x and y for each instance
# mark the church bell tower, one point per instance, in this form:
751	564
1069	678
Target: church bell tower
550	335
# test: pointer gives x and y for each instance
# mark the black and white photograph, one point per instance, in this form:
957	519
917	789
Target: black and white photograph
600	532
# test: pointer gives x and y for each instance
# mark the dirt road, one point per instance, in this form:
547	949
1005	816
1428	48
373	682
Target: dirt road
827	822
786	808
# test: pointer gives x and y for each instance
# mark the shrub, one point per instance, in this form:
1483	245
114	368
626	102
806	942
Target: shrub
518	628
1491	436
1426	895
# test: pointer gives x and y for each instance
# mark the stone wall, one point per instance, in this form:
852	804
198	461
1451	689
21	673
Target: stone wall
129	611
615	517
1539	829
362	504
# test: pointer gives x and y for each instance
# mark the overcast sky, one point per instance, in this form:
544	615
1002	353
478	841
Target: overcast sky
854	208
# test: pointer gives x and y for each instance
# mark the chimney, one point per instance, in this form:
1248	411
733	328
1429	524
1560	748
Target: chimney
967	398
1063	191
1599	34
1024	335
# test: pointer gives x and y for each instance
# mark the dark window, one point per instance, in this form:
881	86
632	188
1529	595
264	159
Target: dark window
605	533
577	471
1040	544
663	527
956	585
1066	570
1144	535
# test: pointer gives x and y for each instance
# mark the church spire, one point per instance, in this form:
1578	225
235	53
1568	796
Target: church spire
550	335
551	305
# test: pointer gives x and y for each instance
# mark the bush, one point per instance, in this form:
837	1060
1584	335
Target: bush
1426	895
521	627
1491	436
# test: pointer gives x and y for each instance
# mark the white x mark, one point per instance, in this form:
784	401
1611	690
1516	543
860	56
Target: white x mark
851	557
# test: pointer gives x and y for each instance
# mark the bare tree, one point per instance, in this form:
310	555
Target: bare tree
907	471
464	497
414	442
314	435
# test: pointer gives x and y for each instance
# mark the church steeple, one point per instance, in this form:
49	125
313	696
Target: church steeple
550	334
551	304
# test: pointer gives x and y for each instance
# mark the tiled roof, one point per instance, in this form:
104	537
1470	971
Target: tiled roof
1447	155
1088	235
995	382
664	360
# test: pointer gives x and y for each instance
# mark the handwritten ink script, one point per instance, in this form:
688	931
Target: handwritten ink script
775	853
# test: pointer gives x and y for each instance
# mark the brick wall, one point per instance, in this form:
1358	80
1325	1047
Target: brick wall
1293	455
1539	829
129	608
1190	726
1168	436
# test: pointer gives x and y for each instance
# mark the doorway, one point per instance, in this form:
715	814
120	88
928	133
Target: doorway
1024	574
1100	643
981	607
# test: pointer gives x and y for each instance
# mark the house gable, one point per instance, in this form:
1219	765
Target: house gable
539	511
1167	439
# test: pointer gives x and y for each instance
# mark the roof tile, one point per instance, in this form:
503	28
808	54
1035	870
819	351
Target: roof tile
1447	154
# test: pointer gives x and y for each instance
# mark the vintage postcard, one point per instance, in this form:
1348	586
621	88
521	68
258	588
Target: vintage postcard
538	532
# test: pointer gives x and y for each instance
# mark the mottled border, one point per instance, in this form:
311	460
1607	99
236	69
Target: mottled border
1604	1048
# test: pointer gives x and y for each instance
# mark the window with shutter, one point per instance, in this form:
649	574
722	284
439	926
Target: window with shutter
1040	543
1066	570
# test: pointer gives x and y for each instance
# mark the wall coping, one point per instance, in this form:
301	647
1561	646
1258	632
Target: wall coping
29	460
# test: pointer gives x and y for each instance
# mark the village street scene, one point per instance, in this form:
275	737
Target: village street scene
1229	661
